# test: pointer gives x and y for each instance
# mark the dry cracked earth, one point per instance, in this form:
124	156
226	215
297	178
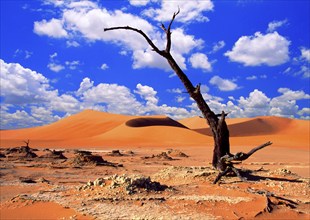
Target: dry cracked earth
145	184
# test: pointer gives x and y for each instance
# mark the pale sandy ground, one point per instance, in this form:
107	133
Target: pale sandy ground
282	169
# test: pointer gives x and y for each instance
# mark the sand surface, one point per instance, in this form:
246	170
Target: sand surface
153	167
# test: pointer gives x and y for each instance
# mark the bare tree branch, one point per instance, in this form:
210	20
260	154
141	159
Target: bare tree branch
168	31
150	42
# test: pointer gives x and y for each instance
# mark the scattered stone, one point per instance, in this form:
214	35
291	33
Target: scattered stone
2	155
99	182
161	156
88	159
43	180
131	184
129	152
53	155
135	182
176	153
89	183
282	172
20	153
115	153
84	152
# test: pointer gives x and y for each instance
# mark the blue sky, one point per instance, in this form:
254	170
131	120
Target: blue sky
251	57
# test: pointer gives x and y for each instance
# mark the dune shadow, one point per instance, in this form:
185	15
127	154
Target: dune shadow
152	121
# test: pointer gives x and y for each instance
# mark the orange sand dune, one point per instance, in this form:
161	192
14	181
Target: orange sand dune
282	132
265	125
93	128
99	129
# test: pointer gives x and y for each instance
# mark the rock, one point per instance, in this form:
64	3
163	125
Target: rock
84	159
42	180
115	153
99	182
161	156
134	183
53	155
89	183
176	153
20	153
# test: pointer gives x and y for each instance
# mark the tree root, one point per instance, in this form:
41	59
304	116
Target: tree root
228	161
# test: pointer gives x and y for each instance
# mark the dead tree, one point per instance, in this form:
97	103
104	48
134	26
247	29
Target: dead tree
27	143
216	122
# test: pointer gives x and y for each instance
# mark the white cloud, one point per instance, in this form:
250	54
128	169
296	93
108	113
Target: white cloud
147	93
304	113
253	77
271	49
90	20
189	11
73	64
139	2
305	54
217	46
52	28
200	60
20	85
177	90
272	26
223	84
29	100
256	104
22	53
82	5
104	66
72	43
114	98
56	3
55	67
180	99
85	85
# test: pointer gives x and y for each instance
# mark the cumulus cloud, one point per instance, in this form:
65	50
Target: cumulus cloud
223	84
53	28
87	19
21	85
305	54
256	104
271	49
147	93
190	11
200	60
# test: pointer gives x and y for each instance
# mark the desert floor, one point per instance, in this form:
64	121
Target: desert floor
51	188
157	180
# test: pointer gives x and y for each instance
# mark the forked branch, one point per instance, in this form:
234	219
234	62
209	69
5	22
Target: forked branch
150	42
228	161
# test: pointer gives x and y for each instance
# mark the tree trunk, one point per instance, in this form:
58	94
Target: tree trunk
218	126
